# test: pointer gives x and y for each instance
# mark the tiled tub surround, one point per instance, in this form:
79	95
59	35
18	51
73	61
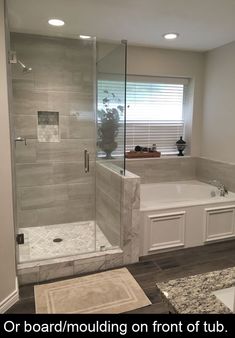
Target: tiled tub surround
163	169
52	187
166	169
77	238
194	294
184	214
118	208
207	170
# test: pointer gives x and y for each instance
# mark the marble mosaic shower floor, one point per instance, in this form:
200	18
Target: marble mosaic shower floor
77	238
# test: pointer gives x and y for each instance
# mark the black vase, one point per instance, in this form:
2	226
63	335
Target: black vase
181	144
108	154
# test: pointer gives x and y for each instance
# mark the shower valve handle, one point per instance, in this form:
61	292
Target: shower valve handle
21	139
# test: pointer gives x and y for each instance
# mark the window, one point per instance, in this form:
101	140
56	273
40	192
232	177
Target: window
155	107
155	112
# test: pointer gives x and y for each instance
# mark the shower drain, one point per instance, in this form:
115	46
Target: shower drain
57	240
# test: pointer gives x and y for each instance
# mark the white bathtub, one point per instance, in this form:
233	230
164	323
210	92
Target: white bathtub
171	194
184	214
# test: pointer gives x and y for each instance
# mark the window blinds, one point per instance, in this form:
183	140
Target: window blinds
147	133
154	111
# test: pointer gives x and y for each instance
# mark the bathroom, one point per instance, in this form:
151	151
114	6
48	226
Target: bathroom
77	205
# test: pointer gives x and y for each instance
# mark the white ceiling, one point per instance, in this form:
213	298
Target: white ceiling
202	24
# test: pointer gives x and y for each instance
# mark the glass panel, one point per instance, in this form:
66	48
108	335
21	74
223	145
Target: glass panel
54	123
111	104
111	107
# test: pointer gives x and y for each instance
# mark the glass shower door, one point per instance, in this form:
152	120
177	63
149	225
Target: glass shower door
54	131
55	143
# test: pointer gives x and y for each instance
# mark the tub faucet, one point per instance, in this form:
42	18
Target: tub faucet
222	190
221	187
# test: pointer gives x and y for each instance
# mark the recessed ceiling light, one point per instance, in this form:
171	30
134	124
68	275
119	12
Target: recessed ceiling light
56	22
85	36
171	36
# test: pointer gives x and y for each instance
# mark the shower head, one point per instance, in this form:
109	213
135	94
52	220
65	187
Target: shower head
13	59
25	69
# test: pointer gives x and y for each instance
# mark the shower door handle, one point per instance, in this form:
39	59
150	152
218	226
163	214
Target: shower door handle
86	161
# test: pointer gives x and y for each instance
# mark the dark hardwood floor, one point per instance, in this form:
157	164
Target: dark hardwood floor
158	268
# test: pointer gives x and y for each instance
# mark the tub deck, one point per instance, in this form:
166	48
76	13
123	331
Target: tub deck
180	193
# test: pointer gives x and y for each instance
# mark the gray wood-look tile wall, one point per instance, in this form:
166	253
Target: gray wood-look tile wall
108	203
183	168
163	169
52	186
207	170
118	209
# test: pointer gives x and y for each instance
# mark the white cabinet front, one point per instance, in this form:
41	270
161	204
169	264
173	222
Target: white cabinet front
164	231
219	223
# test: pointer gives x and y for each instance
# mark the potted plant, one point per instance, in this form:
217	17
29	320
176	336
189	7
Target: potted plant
108	123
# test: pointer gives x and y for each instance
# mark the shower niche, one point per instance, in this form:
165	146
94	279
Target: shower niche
48	126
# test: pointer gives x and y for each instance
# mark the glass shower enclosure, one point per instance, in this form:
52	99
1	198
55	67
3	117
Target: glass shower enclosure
58	140
111	106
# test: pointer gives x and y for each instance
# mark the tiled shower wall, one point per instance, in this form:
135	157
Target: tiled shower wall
108	198
118	209
52	186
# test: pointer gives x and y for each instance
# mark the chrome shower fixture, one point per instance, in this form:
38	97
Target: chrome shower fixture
25	69
13	59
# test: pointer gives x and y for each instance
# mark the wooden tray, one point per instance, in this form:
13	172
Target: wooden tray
142	154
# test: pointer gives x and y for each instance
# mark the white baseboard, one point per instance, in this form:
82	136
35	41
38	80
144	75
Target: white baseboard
11	299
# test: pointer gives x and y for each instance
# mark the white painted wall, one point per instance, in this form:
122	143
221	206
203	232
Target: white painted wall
7	243
173	63
218	125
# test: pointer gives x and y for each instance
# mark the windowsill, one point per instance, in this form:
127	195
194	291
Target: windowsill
165	157
120	157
